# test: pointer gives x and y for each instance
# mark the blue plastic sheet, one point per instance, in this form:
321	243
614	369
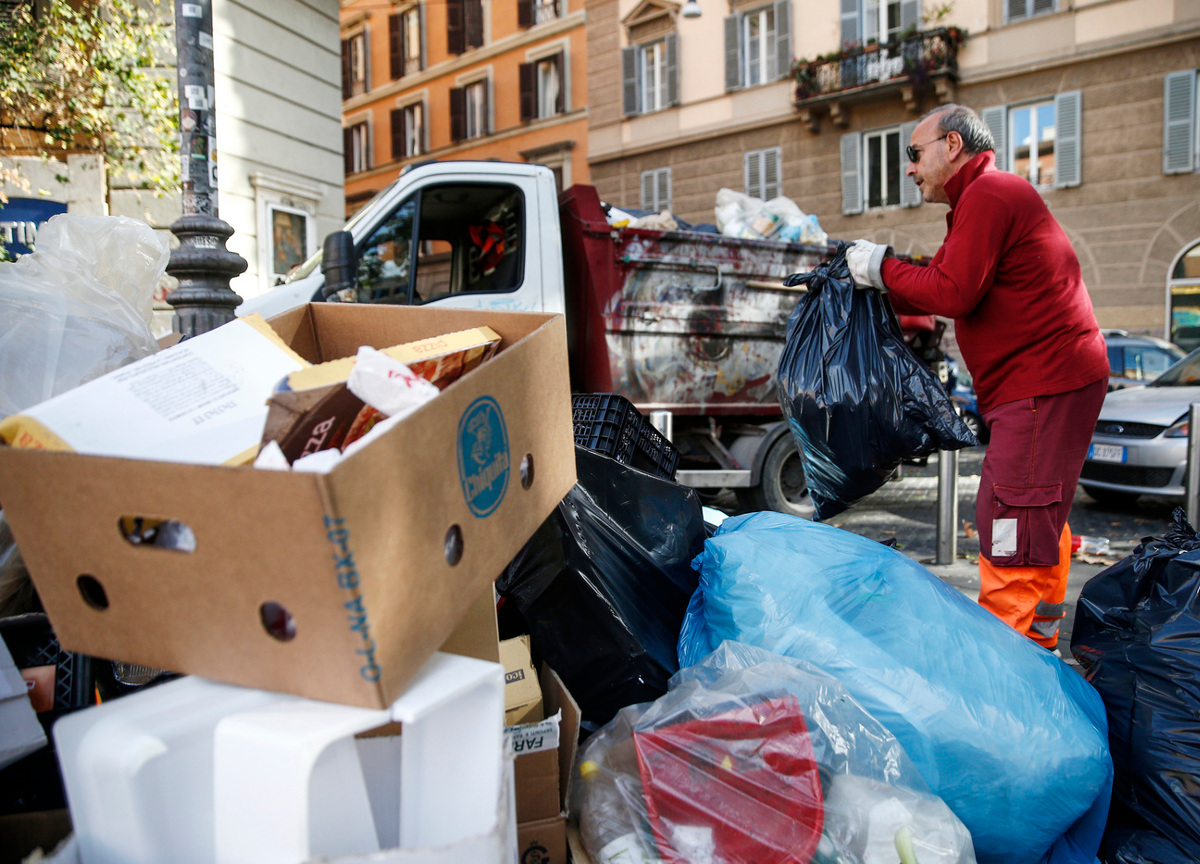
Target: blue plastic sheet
1010	737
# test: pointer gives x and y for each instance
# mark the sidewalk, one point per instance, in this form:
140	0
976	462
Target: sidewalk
907	509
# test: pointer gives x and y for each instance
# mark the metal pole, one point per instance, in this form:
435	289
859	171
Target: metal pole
663	422
1193	463
202	264
947	519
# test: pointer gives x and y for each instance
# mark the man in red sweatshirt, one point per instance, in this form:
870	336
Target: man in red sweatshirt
1009	277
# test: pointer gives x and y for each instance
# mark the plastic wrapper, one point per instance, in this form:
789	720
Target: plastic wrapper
1136	632
604	583
77	307
1010	737
754	758
857	399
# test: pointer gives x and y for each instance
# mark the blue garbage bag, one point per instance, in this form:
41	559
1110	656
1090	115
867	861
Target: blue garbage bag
1009	736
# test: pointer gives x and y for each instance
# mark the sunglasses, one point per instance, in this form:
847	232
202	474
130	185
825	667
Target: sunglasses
914	153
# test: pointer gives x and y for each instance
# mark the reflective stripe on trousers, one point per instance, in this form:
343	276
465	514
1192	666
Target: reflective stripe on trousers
1031	600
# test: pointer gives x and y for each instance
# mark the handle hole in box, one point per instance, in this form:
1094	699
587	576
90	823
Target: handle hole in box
277	621
527	471
160	533
453	545
92	591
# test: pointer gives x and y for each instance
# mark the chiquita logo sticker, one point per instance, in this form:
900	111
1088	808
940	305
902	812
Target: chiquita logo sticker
483	459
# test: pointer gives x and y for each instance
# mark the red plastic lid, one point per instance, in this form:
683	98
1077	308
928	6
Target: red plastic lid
747	775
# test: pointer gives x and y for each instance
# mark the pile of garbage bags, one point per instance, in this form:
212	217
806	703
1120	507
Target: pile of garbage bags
756	757
750	218
1009	737
1136	631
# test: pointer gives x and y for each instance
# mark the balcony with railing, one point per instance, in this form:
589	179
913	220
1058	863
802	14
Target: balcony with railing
910	66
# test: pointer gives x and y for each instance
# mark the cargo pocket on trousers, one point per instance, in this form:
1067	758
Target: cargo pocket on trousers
1025	532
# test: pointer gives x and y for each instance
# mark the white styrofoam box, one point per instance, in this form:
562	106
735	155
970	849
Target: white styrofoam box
194	771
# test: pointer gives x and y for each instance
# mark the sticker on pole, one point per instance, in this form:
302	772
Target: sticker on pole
483	459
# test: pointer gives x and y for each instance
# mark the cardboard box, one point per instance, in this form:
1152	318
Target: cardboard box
542	776
333	586
522	693
201	401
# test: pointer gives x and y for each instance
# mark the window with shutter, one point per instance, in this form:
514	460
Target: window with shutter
1179	122
910	192
762	173
630	65
758	46
455	34
473	23
357	148
395	46
851	145
398	136
1021	10
412	40
1068	154
653	75
996	119
733	52
882	168
526	83
458	113
1031	134
346	69
656	190
525	14
357	67
476	107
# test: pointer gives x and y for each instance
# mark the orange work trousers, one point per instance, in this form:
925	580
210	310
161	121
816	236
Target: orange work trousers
1031	600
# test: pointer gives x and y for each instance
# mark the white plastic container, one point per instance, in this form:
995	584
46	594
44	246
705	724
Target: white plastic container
194	772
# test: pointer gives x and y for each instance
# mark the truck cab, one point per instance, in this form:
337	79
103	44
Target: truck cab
458	234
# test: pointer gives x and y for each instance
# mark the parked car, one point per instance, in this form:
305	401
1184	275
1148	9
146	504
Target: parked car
1140	443
962	393
1137	360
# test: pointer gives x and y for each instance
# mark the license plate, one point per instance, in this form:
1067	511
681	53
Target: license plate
1106	453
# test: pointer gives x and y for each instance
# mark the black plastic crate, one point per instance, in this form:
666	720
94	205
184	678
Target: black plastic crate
610	424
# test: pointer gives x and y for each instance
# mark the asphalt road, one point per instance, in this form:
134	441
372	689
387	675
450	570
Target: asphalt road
906	509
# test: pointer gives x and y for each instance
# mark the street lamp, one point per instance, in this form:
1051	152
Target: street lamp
202	264
691	9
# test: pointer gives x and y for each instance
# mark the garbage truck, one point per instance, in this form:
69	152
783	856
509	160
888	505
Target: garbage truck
686	323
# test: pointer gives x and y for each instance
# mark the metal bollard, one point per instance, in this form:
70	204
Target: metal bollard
947	518
1193	464
663	422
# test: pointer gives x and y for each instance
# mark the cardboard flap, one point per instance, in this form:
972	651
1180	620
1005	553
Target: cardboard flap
557	698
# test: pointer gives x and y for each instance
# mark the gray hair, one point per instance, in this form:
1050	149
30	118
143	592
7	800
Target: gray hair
976	136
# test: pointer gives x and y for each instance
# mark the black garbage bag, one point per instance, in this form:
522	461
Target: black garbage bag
604	584
1137	635
856	397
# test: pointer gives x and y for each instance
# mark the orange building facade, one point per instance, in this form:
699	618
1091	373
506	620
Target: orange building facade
462	79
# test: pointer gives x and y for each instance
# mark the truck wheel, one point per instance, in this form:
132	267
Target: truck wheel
783	486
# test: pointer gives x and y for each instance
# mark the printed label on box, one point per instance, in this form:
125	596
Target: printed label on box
483	459
535	737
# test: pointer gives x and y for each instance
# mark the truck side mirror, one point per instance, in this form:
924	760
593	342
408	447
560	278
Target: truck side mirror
339	266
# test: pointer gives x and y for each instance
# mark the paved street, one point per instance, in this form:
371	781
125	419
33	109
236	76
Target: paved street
906	509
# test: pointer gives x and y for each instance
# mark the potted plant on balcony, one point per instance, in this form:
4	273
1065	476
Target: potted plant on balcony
804	74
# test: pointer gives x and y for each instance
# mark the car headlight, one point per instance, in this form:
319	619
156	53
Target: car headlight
1179	430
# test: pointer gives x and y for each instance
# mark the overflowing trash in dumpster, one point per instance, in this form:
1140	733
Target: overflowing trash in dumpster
370	584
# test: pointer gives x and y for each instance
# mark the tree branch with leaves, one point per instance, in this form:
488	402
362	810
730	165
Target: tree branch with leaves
93	79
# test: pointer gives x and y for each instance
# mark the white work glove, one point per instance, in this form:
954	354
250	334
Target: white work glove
865	260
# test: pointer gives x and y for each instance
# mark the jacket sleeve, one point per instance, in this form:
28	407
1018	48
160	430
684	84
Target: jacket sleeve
963	269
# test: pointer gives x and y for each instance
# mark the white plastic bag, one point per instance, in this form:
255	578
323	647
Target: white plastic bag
78	306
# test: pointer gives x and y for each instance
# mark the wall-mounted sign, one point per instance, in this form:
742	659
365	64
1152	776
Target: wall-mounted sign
19	221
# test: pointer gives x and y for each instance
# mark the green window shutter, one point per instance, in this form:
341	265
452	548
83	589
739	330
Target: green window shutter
910	193
733	52
1179	122
671	50
783	38
851	173
1068	135
996	119
629	78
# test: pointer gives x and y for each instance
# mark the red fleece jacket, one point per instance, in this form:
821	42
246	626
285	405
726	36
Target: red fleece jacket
1010	279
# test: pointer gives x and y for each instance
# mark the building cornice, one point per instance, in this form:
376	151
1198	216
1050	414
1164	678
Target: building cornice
468	60
1111	48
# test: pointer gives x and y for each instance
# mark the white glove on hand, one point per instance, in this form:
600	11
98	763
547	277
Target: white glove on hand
865	260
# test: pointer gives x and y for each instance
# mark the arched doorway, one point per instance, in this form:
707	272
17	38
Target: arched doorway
1183	299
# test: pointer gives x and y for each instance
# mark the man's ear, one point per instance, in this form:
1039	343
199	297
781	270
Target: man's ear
954	145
